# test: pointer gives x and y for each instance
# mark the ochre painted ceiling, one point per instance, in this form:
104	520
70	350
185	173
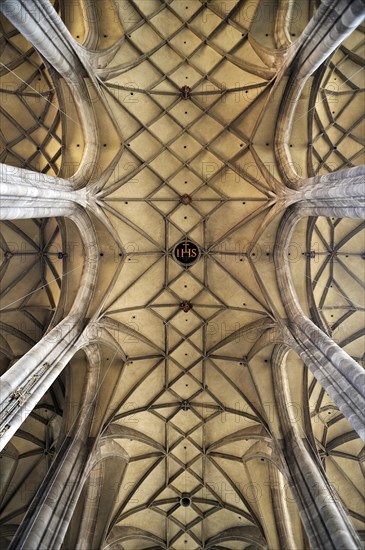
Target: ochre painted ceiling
194	410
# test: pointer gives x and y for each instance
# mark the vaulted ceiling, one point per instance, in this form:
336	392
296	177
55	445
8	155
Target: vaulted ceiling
193	414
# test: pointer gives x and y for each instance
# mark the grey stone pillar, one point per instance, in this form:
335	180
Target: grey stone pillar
322	513
45	523
341	376
23	384
41	25
282	24
337	208
348	183
101	495
9	463
25	194
281	512
340	194
331	24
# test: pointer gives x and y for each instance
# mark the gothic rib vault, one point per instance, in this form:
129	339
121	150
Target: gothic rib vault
146	405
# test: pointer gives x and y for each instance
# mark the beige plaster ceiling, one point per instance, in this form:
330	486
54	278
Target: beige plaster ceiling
194	408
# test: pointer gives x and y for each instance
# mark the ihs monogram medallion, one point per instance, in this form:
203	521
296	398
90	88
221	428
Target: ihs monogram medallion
186	253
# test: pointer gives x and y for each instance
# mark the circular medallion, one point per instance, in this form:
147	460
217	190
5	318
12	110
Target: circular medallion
186	252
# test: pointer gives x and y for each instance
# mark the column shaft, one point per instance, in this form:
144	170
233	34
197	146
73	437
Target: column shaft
339	374
337	208
340	193
322	513
26	194
331	24
101	493
282	24
20	210
282	517
45	524
23	385
41	25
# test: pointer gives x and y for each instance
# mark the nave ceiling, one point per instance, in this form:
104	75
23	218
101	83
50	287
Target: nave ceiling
186	401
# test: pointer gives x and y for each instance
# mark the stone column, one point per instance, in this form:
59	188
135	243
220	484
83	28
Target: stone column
337	208
341	376
282	24
322	513
340	194
45	523
41	25
331	24
9	463
281	512
101	495
25	194
344	184
23	385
